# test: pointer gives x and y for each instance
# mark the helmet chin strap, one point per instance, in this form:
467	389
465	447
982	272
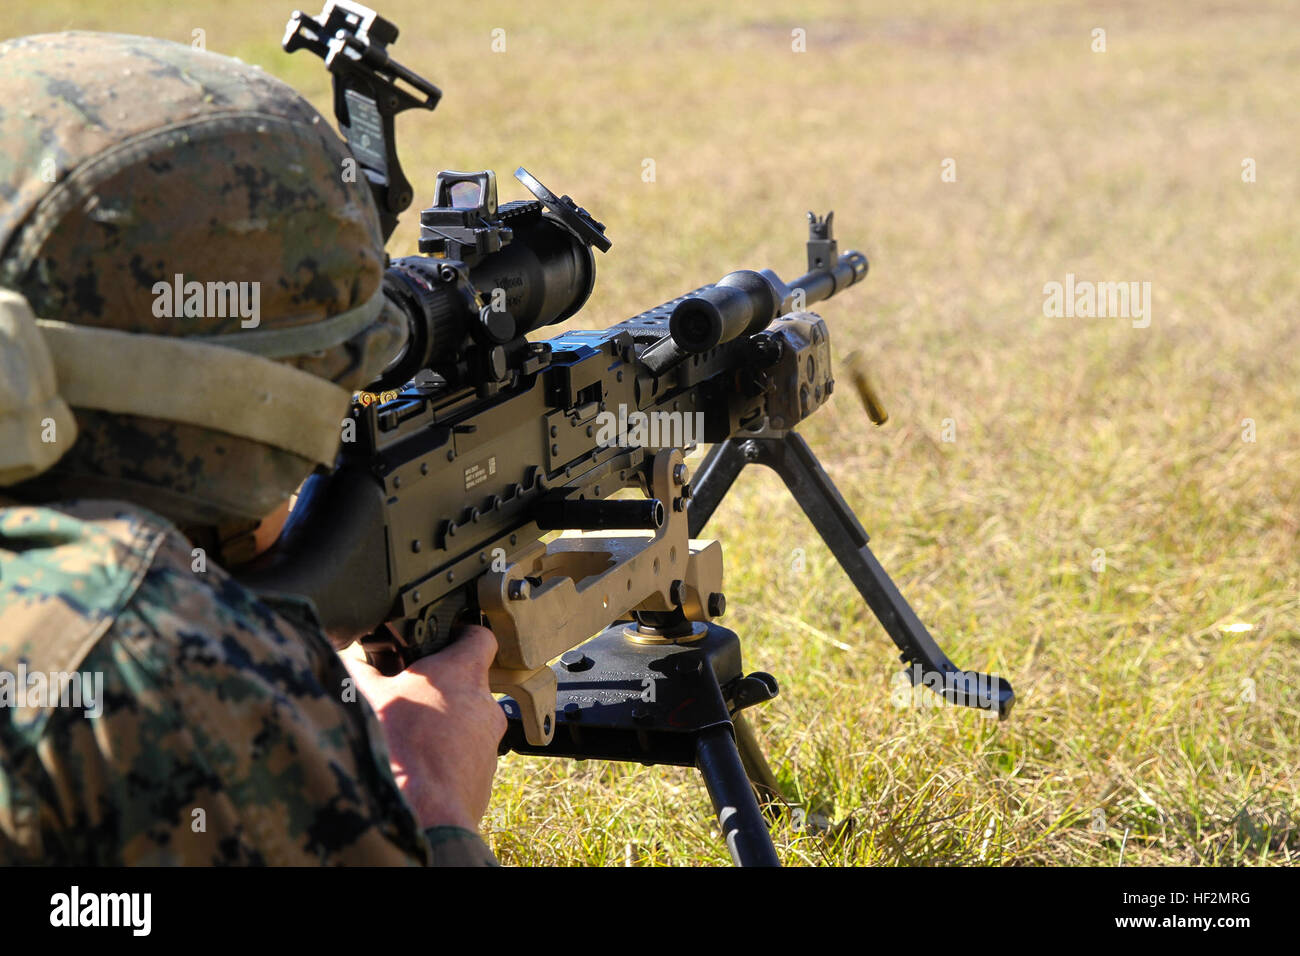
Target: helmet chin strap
195	383
50	366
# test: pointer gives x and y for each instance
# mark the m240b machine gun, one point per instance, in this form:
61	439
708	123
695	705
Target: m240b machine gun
540	486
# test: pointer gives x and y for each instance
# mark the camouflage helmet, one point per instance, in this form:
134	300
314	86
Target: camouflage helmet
181	221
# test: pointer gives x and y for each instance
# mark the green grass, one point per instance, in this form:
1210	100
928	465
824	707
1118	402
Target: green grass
1072	435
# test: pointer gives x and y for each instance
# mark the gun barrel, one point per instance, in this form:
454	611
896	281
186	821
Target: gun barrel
821	284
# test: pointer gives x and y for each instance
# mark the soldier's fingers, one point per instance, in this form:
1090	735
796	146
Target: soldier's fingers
465	660
472	647
363	673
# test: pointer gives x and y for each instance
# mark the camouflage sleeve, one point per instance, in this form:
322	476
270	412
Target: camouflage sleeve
216	733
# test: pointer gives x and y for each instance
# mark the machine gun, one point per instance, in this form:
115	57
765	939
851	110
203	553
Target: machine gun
476	446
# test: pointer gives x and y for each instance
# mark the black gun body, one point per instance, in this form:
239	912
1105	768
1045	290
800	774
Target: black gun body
438	487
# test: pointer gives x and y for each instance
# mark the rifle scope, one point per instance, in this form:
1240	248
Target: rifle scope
489	276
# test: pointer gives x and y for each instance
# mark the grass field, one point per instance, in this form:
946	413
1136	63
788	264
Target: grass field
1077	504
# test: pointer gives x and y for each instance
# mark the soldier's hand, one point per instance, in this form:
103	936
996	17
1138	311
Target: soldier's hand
442	727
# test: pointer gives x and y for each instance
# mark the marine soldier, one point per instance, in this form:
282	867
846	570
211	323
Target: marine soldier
208	286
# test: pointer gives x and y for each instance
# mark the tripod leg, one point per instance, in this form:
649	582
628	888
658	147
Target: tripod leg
756	767
743	826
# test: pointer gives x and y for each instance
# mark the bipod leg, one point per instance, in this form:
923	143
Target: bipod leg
718	759
790	457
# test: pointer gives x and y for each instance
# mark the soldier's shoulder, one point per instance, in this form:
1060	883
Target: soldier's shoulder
74	572
236	722
67	571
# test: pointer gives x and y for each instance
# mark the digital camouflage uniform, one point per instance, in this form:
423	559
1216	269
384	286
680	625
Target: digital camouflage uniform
227	731
229	734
